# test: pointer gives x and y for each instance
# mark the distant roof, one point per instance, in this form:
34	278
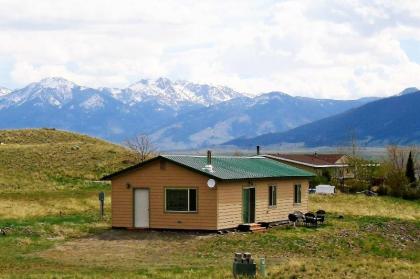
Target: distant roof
315	160
230	167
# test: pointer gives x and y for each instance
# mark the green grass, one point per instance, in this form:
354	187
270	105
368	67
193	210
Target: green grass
46	160
49	207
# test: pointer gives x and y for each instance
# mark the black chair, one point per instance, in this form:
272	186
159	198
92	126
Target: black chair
293	218
320	215
300	217
310	219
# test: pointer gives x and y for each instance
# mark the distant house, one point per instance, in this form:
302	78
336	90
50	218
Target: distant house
206	193
336	164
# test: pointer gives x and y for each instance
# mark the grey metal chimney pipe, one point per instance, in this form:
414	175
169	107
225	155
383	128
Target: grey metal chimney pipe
209	157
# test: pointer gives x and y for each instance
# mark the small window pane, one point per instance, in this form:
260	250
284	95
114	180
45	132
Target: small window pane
177	199
193	200
297	193
272	195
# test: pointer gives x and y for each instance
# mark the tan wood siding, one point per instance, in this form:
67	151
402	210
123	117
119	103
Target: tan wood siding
230	201
155	179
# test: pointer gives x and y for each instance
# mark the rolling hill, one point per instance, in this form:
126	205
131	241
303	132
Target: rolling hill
48	160
393	120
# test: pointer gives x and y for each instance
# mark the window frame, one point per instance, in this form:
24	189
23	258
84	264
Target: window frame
295	194
272	199
188	211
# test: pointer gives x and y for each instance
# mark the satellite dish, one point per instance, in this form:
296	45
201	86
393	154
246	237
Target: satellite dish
211	183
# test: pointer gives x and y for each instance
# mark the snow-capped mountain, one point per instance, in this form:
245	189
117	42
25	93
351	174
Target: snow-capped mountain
52	91
56	91
112	113
175	94
408	90
4	91
247	117
178	114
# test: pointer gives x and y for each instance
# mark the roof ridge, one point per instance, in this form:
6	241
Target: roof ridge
230	167
215	156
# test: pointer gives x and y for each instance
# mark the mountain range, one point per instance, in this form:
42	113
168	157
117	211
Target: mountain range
176	114
247	117
110	113
393	120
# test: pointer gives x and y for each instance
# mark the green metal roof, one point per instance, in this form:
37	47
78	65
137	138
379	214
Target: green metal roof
236	167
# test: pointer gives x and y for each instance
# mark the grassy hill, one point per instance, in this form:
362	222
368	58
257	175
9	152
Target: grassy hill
49	211
47	160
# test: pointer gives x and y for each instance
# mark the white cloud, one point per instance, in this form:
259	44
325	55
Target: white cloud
336	49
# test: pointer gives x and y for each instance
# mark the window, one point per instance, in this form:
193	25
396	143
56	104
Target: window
181	200
298	193
272	195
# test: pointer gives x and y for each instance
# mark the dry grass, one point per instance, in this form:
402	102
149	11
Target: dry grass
78	245
362	245
345	267
44	160
50	209
360	205
128	250
11	208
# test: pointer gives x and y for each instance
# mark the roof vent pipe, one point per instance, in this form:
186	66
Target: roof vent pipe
209	166
258	150
208	157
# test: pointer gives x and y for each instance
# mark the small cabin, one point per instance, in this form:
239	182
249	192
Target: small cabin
206	193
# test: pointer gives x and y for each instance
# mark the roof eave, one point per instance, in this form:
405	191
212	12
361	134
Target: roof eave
130	168
139	165
304	163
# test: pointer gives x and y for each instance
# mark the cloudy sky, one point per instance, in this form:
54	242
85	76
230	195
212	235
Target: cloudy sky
336	49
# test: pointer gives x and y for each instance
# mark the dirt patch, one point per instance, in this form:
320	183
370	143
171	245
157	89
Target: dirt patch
131	249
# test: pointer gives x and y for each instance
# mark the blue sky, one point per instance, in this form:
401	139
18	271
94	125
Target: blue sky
326	49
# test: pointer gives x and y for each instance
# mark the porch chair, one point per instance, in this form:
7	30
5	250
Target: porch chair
320	215
293	218
310	219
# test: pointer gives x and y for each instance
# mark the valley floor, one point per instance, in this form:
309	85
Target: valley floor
59	234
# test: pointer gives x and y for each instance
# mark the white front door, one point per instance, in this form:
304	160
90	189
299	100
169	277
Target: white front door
141	208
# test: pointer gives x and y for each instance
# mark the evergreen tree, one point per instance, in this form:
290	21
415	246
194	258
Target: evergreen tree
409	171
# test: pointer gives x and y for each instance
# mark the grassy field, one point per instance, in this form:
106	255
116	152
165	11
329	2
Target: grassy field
49	210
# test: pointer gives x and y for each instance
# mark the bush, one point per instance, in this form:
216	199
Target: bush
382	190
326	174
356	185
411	193
317	180
397	182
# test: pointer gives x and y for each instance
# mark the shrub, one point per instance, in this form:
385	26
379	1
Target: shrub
356	185
411	192
397	182
382	190
317	180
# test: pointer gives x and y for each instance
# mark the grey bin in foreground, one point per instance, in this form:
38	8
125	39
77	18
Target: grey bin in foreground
244	265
